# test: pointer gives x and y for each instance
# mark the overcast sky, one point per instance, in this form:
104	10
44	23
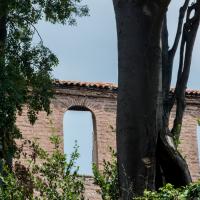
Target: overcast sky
88	52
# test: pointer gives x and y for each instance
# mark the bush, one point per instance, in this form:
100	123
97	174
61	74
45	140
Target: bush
44	176
168	192
107	180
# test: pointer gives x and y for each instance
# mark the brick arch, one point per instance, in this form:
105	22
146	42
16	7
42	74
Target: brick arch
79	102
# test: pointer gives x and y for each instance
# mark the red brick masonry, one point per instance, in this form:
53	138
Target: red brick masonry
100	99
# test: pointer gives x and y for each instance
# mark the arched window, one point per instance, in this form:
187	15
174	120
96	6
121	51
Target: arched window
79	125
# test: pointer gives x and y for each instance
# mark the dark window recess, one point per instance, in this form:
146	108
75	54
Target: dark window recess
78	108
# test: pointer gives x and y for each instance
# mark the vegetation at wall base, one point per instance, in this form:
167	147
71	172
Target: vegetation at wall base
107	180
44	176
168	192
47	176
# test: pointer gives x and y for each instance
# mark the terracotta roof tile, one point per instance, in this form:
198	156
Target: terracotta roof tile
98	85
107	86
189	92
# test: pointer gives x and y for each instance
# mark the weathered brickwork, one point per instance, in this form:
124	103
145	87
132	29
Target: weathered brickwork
100	99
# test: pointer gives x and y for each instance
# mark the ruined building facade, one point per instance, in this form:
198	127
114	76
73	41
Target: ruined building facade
100	100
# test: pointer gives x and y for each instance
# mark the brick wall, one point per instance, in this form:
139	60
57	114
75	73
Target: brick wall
101	101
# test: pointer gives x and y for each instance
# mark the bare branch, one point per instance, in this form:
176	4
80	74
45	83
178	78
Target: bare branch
182	12
187	44
169	101
37	33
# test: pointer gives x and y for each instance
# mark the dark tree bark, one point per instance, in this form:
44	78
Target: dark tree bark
139	26
146	147
168	158
173	161
3	31
3	35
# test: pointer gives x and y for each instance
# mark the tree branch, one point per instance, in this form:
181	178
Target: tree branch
28	22
168	101
182	12
187	44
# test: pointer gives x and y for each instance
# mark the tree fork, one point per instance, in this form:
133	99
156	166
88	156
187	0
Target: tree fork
187	44
168	156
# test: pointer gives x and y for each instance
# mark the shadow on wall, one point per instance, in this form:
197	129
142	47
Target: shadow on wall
198	139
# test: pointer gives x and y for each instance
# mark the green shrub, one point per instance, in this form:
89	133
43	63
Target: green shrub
168	192
44	176
107	180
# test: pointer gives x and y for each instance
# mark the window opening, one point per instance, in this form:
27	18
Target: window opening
78	126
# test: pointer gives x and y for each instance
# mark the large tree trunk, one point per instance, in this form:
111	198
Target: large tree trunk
146	147
139	114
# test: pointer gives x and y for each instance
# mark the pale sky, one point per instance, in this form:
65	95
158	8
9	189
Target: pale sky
88	52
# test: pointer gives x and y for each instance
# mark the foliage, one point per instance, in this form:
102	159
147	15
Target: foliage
198	121
107	180
44	176
25	67
168	192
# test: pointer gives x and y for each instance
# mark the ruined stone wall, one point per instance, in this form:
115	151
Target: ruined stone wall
100	99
